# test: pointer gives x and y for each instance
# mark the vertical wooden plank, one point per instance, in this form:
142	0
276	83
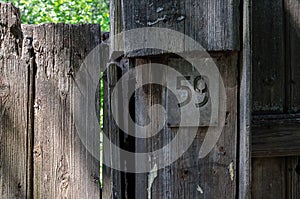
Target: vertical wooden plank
190	177
141	101
117	182
268	56
292	12
112	179
15	107
215	25
145	97
293	177
245	105
269	178
63	168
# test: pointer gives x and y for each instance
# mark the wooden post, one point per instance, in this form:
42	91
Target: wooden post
62	165
16	107
224	172
41	153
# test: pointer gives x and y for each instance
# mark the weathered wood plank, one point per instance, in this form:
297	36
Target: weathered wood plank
276	135
245	106
15	107
269	178
293	179
63	168
113	180
275	90
145	97
292	13
214	176
214	24
268	56
276	177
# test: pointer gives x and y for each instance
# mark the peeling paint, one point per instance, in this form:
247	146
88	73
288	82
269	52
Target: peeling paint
157	20
159	9
180	18
151	177
231	171
200	189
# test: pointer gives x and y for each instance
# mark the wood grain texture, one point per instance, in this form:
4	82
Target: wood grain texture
111	178
214	24
292	15
116	183
275	91
245	105
15	107
183	178
276	177
293	177
269	178
276	135
41	153
268	56
63	168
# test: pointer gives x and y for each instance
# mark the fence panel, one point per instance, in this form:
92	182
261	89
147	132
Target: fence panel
42	155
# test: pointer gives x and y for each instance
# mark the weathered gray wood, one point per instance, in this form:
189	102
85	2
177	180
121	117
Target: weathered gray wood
245	106
216	174
145	97
63	168
268	56
214	24
41	153
113	180
15	107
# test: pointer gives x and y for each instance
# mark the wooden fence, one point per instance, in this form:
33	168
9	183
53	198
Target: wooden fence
41	155
216	25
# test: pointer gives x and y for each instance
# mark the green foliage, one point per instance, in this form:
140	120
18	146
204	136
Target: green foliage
64	11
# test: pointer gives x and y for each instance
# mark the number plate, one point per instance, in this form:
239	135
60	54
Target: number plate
191	84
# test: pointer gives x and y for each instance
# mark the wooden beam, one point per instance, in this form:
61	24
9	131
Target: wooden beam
276	135
212	23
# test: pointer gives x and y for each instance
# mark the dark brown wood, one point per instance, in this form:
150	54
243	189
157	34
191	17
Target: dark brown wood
15	107
292	15
268	56
293	172
276	177
268	178
275	68
276	135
